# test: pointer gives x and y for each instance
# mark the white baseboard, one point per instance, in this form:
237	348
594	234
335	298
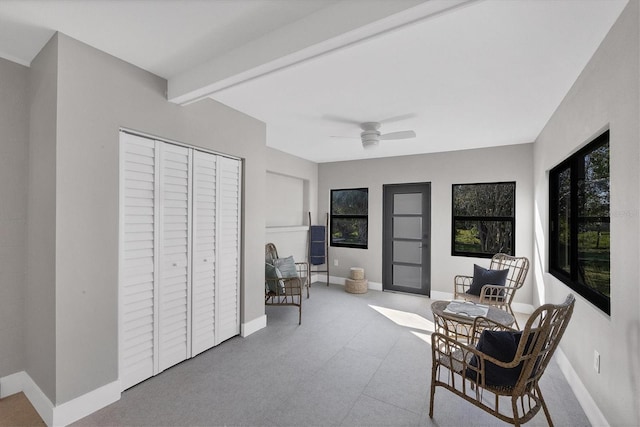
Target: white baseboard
437	295
65	413
374	286
22	382
252	326
589	406
520	307
12	384
73	410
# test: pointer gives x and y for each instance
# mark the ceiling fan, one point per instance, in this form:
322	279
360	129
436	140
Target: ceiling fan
371	135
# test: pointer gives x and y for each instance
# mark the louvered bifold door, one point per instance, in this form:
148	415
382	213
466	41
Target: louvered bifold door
174	322
228	286
204	252
138	257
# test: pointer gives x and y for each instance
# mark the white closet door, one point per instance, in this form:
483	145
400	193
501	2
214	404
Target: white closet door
174	321
138	187
204	252
228	286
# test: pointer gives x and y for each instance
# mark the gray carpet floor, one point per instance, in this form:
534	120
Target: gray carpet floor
356	360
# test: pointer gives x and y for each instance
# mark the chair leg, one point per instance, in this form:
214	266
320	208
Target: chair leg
514	408
433	390
510	310
544	406
300	312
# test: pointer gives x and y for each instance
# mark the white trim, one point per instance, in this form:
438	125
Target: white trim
86	404
373	286
520	307
12	384
172	142
65	413
589	406
287	228
252	326
38	399
437	295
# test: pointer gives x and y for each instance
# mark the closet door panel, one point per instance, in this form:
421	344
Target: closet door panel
138	340
204	251
228	298
175	264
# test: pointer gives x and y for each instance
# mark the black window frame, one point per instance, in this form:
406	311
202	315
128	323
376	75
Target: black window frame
572	163
479	218
334	216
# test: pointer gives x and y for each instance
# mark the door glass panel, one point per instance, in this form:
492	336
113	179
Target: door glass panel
407	228
410	252
410	203
407	276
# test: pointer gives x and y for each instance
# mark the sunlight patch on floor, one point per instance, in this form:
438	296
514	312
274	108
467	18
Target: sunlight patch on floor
405	318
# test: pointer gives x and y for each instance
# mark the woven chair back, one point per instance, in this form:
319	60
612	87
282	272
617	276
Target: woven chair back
540	338
518	268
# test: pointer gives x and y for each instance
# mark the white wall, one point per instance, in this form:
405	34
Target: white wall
14	137
442	170
605	95
290	194
85	97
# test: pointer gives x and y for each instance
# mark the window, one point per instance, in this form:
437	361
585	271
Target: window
350	218
579	222
483	221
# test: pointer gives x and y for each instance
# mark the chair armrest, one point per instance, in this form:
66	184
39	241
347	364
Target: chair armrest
461	284
456	357
284	287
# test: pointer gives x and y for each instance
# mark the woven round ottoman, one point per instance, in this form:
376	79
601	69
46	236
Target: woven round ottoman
357	284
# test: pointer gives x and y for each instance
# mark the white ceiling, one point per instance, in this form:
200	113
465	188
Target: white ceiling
462	74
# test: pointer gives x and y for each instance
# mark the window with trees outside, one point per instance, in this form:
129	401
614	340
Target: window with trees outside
350	218
483	222
579	239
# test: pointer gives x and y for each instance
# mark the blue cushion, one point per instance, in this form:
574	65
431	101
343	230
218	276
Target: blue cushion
482	276
271	273
501	345
287	267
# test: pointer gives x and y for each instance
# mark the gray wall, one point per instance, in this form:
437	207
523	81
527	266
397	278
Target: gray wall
605	95
14	137
510	163
285	164
96	95
40	322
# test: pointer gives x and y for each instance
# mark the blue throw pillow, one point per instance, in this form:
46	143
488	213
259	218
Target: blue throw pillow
271	273
482	276
287	267
501	345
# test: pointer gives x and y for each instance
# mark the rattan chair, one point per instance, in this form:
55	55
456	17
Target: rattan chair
496	295
286	291
453	369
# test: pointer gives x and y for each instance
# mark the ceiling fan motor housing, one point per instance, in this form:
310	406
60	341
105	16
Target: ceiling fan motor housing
370	135
370	139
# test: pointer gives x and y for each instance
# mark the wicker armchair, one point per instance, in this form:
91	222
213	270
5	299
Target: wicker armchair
285	291
496	295
467	371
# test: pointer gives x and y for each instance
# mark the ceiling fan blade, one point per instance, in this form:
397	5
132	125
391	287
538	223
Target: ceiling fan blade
339	119
398	118
403	134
